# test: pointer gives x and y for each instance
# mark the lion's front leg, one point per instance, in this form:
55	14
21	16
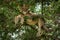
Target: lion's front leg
22	20
18	19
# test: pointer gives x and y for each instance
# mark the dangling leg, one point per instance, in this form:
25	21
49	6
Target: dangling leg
39	33
16	20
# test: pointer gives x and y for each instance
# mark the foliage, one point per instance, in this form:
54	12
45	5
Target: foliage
10	8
